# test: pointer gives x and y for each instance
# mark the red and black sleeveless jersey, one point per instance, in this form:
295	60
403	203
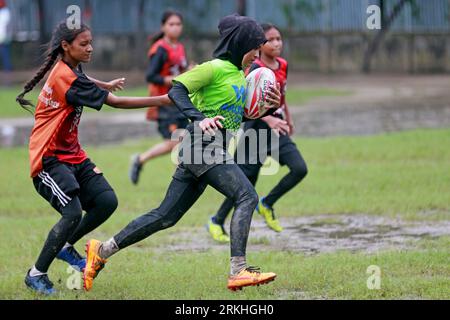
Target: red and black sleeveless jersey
280	75
58	112
165	60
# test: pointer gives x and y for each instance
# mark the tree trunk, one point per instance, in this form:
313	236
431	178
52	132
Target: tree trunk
43	39
140	35
241	7
386	24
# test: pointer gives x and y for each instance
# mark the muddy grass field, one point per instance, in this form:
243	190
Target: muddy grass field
368	203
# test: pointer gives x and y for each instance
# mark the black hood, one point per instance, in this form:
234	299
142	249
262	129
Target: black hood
238	35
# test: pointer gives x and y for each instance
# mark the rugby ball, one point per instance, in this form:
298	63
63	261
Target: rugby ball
258	83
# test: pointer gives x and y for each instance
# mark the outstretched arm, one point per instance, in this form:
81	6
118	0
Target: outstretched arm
113	85
136	102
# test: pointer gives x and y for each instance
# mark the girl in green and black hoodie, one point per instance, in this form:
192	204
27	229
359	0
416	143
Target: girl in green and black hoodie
212	96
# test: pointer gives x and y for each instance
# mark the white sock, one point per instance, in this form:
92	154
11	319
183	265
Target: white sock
237	265
35	272
67	245
108	248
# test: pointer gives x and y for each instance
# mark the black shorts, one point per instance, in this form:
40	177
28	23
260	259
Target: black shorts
60	182
166	127
170	119
198	152
284	146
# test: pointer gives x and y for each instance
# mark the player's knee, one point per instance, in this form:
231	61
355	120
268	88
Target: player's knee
74	218
72	211
254	198
248	197
107	201
68	223
299	170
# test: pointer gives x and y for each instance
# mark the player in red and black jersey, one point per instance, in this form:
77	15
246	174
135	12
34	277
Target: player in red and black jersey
167	59
61	171
281	122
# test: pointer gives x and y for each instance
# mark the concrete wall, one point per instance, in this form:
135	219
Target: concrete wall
403	53
333	52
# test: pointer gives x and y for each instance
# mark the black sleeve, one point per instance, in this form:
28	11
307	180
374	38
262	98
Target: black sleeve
155	65
179	95
84	92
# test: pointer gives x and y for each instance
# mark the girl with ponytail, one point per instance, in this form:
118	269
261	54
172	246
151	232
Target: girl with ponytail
61	171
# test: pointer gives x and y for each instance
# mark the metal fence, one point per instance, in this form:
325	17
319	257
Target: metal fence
349	15
201	16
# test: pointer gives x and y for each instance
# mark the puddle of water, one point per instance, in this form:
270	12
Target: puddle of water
324	233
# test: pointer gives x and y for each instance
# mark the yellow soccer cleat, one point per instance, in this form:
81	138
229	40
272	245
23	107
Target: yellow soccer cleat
94	263
269	215
217	232
250	276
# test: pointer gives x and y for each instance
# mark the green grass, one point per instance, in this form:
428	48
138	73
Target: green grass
404	175
10	109
142	273
298	96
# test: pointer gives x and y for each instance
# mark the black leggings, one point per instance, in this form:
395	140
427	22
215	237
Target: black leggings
72	226
183	192
297	171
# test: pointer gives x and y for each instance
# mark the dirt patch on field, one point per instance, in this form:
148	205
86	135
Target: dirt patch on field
377	104
324	233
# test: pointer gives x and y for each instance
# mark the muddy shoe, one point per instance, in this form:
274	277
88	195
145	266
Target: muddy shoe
94	263
250	276
40	284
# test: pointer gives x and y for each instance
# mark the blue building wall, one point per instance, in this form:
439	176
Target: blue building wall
201	16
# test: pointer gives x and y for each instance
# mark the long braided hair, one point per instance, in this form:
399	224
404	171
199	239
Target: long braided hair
54	49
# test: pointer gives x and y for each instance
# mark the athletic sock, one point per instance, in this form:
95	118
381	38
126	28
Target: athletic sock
265	204
108	248
67	245
237	265
35	272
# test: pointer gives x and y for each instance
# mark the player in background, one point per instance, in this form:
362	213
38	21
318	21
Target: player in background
167	60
